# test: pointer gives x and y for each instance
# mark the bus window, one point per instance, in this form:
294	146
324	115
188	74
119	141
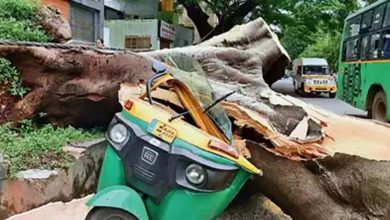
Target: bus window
374	46
378	17
353	26
386	44
364	48
386	21
344	51
352	48
367	20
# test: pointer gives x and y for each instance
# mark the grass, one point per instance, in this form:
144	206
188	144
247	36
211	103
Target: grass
28	147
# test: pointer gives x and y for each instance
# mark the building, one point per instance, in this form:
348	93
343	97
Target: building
145	24
86	17
133	24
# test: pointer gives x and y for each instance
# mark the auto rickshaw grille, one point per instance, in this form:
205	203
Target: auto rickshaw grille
143	173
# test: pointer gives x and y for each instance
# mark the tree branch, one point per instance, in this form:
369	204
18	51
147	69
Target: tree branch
227	21
198	16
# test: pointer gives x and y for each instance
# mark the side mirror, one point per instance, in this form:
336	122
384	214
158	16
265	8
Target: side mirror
158	67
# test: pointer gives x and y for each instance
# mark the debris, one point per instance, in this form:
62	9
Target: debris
36	174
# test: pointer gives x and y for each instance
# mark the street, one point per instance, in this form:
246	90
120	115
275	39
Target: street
337	106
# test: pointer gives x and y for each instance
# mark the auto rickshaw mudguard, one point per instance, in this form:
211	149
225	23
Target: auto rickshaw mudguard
121	197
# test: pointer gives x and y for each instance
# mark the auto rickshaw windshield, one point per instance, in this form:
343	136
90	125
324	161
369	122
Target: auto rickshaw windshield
189	71
315	70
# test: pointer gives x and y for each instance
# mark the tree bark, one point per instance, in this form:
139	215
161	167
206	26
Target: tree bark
233	15
54	24
198	16
339	187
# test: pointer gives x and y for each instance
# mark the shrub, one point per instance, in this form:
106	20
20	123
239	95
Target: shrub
10	77
17	21
28	147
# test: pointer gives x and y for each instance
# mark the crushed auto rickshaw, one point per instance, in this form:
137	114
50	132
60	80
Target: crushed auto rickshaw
171	153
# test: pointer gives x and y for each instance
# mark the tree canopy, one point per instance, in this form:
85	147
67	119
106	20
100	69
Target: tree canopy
306	27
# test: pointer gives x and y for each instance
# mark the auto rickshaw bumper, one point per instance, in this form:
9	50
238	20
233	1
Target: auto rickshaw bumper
320	88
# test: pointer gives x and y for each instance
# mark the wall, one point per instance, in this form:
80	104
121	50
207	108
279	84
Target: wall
114	4
118	29
184	36
97	6
62	5
140	8
33	190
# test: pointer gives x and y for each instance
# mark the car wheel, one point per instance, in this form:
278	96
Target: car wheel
379	107
109	214
332	95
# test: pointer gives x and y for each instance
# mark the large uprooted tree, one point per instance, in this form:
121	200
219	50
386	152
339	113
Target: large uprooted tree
316	165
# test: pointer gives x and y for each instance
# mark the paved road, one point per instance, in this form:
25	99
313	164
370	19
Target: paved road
285	86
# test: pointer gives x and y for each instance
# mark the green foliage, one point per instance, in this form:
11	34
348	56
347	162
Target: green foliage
315	28
11	78
17	21
23	30
300	22
28	147
296	39
19	9
166	16
326	46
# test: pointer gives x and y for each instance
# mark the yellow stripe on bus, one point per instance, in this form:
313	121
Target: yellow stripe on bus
368	61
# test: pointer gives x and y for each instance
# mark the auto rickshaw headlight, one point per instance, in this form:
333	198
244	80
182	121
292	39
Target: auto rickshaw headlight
196	174
308	81
118	133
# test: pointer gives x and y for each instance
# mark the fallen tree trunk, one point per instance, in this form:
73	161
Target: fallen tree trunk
316	165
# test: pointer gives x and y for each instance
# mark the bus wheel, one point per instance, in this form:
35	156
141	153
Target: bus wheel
379	107
106	213
332	95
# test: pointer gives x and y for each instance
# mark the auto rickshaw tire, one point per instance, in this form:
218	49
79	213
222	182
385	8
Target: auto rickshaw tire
107	213
379	107
302	90
332	95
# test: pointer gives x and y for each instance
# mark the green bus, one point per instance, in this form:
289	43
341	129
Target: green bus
364	62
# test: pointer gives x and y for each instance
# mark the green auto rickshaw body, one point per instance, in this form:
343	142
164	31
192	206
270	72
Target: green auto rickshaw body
178	203
161	165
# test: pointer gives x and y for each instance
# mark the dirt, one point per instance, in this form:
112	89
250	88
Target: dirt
75	209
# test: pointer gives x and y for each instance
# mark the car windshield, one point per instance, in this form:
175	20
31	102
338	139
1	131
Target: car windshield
315	70
190	72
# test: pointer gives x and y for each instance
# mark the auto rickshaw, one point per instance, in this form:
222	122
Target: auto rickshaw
160	164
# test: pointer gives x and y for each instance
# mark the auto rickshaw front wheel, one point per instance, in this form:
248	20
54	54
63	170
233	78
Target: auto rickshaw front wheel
106	213
332	95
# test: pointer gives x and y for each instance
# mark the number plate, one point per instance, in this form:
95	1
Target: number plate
162	131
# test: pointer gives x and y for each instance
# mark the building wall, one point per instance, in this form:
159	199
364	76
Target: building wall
118	29
139	8
62	5
184	36
114	4
95	6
